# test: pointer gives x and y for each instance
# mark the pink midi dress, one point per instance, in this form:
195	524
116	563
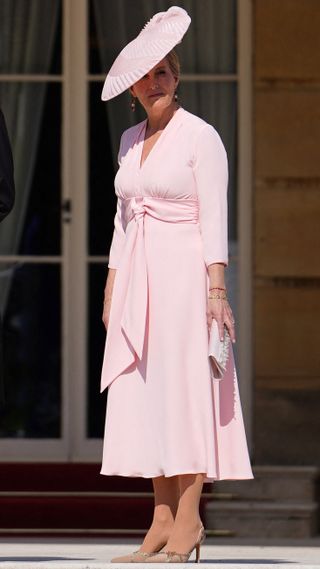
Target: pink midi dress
165	414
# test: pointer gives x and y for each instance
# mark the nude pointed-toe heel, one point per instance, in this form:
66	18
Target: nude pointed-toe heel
174	557
134	557
137	556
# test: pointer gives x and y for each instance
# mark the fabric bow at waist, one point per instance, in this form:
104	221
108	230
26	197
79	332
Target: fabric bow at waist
127	324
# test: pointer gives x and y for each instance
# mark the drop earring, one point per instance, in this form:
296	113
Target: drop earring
175	97
133	104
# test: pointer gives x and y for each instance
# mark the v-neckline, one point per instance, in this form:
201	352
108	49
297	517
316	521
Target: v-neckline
142	135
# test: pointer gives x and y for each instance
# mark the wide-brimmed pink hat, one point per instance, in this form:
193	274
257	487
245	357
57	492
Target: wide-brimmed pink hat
156	39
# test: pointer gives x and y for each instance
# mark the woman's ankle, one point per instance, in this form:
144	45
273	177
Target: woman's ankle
192	522
162	524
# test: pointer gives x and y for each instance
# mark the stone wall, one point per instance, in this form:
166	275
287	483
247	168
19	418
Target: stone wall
286	231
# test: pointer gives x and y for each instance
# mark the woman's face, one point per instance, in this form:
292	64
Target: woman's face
156	88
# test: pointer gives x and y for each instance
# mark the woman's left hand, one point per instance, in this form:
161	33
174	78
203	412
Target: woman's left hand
220	310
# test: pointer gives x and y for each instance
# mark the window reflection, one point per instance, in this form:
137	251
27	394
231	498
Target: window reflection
31	309
29	42
34	225
102	201
96	339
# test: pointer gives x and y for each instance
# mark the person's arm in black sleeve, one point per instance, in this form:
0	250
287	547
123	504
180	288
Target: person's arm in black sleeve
7	190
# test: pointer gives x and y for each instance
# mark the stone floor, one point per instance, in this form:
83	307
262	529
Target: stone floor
96	553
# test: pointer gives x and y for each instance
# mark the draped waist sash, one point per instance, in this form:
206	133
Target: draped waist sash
127	323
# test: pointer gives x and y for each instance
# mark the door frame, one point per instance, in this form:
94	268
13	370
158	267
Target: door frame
245	205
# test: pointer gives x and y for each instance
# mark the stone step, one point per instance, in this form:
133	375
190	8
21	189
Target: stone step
75	511
264	519
65	477
275	483
91	512
58	494
69	499
126	533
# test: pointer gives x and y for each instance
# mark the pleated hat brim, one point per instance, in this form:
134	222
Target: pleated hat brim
158	37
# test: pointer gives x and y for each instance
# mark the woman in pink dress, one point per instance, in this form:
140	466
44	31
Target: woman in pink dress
167	419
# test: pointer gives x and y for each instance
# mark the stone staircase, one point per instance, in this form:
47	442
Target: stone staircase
73	499
280	502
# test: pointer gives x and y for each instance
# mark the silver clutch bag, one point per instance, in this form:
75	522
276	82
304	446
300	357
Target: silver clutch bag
218	351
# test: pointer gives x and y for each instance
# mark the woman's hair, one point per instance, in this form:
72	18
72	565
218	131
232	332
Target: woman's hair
174	63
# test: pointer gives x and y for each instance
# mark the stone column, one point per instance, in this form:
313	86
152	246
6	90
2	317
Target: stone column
287	231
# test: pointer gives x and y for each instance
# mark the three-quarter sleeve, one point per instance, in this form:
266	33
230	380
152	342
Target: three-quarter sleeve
119	235
211	176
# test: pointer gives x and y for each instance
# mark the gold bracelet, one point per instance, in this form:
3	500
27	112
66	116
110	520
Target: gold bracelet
218	296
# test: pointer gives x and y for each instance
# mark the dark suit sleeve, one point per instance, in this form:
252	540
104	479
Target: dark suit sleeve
7	190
